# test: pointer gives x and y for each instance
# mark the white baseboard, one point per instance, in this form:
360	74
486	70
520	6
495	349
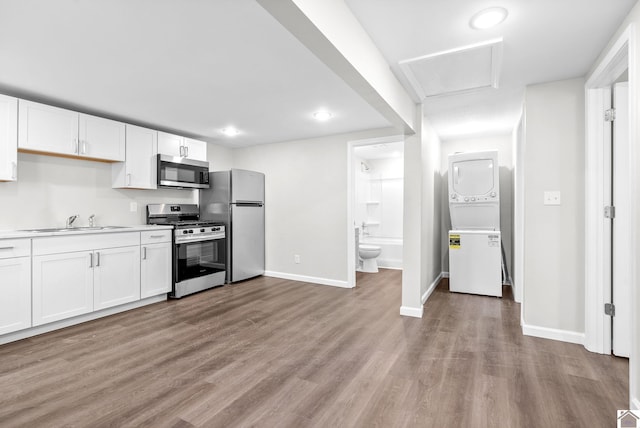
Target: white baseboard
408	311
553	334
432	287
445	274
635	403
311	279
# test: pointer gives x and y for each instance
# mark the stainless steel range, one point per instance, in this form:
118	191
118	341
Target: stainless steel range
199	247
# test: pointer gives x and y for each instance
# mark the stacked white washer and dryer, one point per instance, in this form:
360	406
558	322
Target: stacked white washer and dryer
475	253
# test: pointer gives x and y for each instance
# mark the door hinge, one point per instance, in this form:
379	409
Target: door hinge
610	115
610	212
610	309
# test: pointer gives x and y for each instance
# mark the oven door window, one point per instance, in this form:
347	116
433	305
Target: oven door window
196	259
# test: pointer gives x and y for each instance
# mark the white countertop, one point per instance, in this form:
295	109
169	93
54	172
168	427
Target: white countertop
15	234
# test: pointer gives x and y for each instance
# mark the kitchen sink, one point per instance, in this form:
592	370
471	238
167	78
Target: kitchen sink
73	229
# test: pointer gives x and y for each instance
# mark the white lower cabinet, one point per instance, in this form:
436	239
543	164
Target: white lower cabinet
116	277
15	289
62	286
155	275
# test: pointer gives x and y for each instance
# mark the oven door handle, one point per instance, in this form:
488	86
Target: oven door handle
183	240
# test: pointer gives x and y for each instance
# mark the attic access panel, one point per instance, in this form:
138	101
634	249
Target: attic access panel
454	71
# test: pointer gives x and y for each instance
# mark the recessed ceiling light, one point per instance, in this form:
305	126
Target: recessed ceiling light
488	18
230	131
322	115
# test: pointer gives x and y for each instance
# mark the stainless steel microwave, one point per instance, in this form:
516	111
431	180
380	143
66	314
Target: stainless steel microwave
182	173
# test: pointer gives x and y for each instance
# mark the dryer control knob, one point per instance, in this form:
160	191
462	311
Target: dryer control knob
466	199
493	194
473	199
454	196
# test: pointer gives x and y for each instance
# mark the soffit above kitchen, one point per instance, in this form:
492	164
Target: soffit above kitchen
540	41
192	68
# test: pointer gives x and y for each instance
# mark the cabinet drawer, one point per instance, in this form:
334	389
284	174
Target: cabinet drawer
88	242
152	237
14	248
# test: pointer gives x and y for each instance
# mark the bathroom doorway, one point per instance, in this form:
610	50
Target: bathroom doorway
376	184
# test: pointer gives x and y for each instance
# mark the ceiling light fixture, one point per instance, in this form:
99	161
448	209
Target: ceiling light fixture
322	115
230	131
488	18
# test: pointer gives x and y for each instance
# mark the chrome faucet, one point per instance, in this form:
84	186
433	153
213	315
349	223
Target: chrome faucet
71	219
92	219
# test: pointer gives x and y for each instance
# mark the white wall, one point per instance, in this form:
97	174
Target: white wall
50	189
554	235
634	362
220	158
305	204
504	145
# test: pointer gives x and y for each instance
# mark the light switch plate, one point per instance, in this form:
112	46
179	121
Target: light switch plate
133	207
552	198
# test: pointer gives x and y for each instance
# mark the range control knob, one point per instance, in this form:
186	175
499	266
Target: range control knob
454	196
466	199
184	232
190	230
201	230
473	199
493	194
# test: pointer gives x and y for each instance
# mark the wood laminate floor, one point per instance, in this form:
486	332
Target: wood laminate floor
278	353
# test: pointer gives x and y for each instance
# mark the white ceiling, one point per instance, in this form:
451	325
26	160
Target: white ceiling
544	40
194	67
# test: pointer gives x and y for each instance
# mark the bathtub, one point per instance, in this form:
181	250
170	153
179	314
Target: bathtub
391	253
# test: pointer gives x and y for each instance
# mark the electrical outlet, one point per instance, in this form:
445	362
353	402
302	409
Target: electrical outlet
133	207
552	198
296	258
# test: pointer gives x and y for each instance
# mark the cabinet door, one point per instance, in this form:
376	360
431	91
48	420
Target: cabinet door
101	138
171	145
155	274
42	128
116	275
62	286
15	289
195	149
8	138
141	167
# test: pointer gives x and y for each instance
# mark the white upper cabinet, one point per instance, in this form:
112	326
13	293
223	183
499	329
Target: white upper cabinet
139	171
8	138
47	129
101	138
175	145
195	149
42	128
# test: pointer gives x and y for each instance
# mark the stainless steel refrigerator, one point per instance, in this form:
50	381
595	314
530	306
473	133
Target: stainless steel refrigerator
236	198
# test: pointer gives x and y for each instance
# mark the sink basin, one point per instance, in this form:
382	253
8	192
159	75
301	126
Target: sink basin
73	229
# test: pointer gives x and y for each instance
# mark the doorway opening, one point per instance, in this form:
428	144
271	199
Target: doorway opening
376	182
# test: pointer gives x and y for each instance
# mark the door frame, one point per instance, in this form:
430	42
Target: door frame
351	240
620	56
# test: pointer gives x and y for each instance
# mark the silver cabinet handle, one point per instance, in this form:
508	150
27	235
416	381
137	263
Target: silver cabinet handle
144	253
186	150
181	151
7	248
84	147
90	260
156	236
98	260
128	179
14	170
76	146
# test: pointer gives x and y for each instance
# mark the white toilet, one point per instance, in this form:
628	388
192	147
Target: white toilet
368	254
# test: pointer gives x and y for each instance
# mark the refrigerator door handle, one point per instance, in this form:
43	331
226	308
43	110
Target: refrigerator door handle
248	203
